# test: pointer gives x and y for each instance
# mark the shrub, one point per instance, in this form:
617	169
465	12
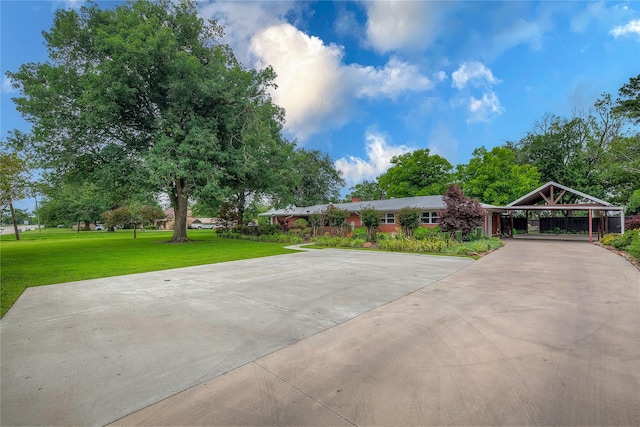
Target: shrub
300	223
475	247
269	229
244	230
360	233
632	223
381	237
627	239
357	243
300	232
634	249
423	233
609	239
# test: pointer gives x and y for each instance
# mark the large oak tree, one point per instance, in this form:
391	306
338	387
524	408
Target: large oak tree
145	93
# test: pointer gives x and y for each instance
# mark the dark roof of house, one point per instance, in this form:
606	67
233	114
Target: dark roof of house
427	203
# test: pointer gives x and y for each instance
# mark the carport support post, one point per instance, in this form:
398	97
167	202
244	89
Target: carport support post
511	219
590	226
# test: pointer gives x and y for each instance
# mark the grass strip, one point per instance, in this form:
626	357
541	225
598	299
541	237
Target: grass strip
61	256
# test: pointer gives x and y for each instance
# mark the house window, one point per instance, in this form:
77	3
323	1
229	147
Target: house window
429	217
388	218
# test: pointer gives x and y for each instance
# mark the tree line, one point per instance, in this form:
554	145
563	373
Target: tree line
596	152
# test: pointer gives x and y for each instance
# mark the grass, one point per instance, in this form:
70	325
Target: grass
57	256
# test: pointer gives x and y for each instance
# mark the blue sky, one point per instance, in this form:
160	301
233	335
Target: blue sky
365	81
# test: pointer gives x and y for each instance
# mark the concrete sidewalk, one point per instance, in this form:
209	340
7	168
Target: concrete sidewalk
91	352
537	333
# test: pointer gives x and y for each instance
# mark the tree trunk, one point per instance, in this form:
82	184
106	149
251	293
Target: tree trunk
242	200
179	200
13	220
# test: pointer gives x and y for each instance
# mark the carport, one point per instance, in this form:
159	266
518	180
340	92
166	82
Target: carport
551	198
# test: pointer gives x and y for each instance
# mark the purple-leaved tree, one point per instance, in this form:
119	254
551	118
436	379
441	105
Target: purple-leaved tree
462	213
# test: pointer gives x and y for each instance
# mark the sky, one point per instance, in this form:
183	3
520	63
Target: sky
366	81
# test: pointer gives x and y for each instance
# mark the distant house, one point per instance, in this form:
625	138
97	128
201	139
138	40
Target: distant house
169	220
597	215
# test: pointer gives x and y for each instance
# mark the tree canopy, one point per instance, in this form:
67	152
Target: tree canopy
366	190
145	92
628	102
418	173
495	178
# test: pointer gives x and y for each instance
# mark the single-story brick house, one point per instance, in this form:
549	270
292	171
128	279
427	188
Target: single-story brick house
548	197
431	207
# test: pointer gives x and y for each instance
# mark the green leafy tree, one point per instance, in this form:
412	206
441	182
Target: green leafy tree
633	205
495	178
461	213
144	88
573	151
416	174
628	102
13	180
370	217
316	220
71	203
311	179
366	190
118	217
409	219
622	159
337	217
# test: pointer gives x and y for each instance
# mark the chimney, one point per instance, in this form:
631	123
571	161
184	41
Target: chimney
356	199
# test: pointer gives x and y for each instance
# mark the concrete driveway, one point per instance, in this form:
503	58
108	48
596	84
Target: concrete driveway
537	333
90	352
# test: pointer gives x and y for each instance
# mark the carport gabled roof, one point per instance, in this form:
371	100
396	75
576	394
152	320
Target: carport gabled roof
551	193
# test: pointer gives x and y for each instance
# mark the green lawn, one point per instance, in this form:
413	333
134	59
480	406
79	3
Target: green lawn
57	256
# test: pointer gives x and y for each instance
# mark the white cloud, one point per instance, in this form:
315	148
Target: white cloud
632	27
316	89
474	73
242	20
599	15
397	25
379	154
440	76
310	87
480	110
395	78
